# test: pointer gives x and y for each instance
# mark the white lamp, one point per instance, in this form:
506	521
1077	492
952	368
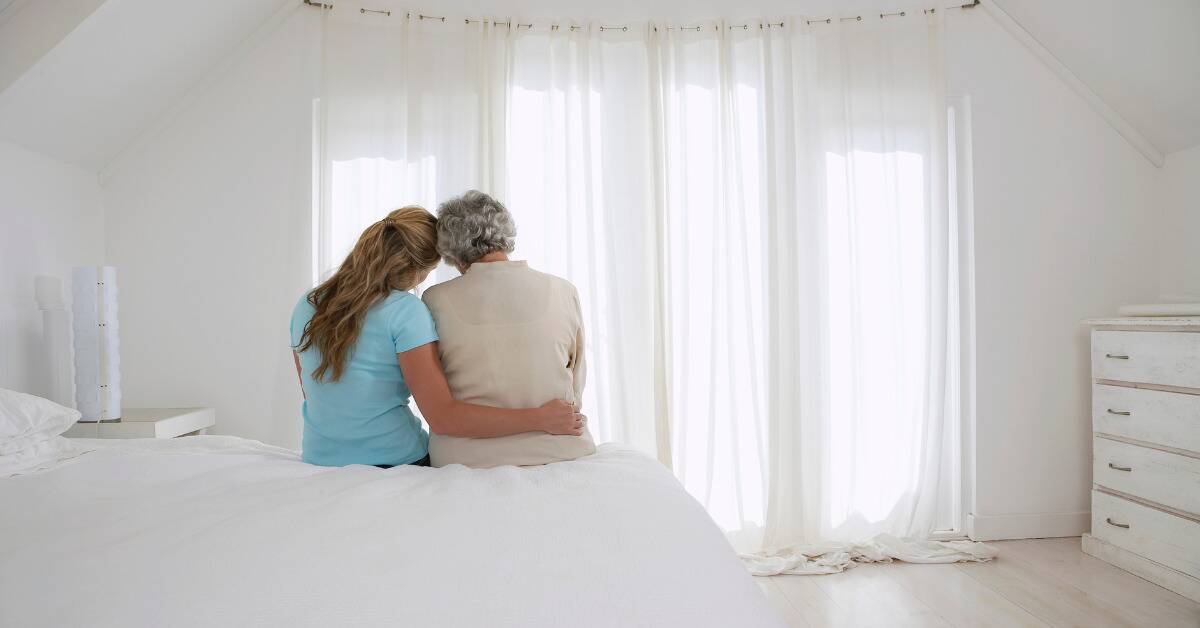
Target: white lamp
97	348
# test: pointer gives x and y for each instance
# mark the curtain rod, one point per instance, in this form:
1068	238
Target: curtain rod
857	18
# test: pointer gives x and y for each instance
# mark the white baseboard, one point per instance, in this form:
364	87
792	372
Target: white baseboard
1028	526
1159	574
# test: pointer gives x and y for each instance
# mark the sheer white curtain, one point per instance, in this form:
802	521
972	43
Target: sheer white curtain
757	218
810	280
554	122
408	116
579	183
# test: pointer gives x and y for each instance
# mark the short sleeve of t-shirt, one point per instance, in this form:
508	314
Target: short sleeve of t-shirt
301	314
411	324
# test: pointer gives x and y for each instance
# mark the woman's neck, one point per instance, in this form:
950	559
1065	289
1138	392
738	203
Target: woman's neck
494	256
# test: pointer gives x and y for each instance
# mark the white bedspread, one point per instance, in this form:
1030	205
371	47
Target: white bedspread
220	531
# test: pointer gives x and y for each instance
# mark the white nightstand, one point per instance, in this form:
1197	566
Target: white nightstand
149	423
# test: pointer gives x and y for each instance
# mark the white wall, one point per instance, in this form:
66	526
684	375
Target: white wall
209	225
1065	213
1180	274
51	218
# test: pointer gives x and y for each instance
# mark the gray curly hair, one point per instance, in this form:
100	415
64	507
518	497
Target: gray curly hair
473	225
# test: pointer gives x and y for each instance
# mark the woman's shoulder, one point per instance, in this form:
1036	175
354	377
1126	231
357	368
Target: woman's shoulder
399	301
406	318
399	297
563	285
447	296
562	290
302	313
303	306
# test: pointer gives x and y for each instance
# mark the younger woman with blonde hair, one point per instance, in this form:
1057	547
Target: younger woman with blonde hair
362	343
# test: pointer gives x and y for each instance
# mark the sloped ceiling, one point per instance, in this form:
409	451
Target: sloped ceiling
128	62
1142	58
118	70
28	30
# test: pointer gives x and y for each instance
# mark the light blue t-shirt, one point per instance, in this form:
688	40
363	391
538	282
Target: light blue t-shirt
363	418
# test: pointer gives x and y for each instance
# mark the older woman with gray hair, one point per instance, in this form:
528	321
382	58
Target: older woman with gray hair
511	337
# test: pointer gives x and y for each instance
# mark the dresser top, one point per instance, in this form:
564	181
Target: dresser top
1145	321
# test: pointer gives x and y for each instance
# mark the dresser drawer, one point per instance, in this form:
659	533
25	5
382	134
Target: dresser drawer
1162	537
1166	418
1148	357
1161	477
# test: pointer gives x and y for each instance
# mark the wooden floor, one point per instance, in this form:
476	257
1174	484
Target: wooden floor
1039	583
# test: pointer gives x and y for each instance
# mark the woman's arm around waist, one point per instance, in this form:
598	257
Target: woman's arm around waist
447	416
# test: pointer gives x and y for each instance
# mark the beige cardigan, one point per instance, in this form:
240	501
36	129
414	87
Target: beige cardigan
510	337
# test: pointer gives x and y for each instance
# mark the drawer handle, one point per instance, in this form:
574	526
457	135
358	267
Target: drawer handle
1110	522
1119	412
1116	356
1115	467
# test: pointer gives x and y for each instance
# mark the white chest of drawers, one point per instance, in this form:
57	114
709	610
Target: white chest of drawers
1146	449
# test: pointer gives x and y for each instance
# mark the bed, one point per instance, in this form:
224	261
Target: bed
221	531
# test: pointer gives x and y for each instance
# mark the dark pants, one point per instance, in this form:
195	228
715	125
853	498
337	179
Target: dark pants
423	462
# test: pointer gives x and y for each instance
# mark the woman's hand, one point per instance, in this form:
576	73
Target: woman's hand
560	417
447	417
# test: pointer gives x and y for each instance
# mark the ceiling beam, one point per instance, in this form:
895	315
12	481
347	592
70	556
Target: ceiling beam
1114	119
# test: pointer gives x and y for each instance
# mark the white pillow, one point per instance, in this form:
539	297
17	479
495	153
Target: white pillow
26	420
